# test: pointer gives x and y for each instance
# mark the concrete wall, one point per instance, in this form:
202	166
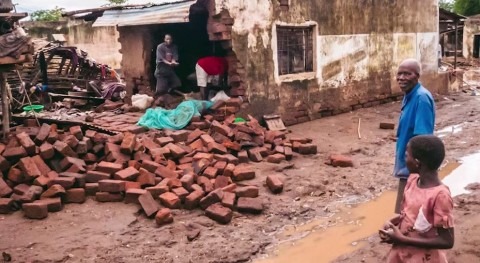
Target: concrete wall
101	43
472	28
358	45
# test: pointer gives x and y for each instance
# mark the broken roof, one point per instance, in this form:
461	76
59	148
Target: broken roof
172	12
447	16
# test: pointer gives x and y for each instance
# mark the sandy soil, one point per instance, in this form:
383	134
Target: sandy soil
117	232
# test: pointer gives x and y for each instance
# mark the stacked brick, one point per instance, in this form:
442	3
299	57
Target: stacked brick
45	167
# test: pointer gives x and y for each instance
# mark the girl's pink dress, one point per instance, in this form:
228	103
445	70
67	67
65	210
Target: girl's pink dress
437	206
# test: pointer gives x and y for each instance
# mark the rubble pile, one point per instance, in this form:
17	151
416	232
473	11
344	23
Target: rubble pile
45	167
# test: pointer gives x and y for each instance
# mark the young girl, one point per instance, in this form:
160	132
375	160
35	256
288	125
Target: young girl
425	226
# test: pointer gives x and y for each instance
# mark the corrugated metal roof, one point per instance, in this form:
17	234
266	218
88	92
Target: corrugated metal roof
164	14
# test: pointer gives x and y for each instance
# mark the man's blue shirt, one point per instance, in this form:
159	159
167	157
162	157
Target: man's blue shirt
417	118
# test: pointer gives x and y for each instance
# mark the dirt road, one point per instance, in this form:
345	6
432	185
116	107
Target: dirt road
117	232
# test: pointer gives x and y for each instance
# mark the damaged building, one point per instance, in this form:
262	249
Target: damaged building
302	59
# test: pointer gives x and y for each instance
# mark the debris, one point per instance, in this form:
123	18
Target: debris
387	126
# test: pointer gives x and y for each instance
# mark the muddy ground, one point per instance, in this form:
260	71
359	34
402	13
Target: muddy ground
117	232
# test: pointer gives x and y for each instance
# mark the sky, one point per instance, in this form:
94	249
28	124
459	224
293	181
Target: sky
30	6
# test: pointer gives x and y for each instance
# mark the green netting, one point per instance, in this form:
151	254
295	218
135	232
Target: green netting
176	119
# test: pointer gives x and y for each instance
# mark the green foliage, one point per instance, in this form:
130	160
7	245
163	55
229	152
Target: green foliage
467	7
50	15
117	2
446	4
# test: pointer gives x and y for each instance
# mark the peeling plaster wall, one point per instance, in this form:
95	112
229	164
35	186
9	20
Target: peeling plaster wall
358	45
472	28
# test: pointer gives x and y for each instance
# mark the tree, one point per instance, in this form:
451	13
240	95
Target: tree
446	4
50	15
467	7
117	2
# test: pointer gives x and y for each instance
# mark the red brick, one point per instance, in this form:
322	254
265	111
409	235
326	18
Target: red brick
171	165
214	147
26	143
132	194
46	151
14	153
4	164
77	132
5	190
249	205
108	197
134	163
243	157
66	182
288	153
337	160
16	175
160	152
157	190
149	205
55	190
275	183
82	147
132	185
276	158
30	195
185	160
95	176
6	205
228	200
164	140
307	149
64	149
193	199
97	148
193	136
52	137
90	133
149	144
163	217
210	172
146	178
91	188
228	172
42	181
128	143
71	141
205	183
219	213
243	173
150	166
220	165
206	156
230	188
67	162
35	210
164	172
53	204
206	139
80	179
175	150
197	145
387	126
187	181
75	195
116	139
21	189
139	156
42	134
109	167
212	198
99	138
247	191
255	155
112	186
29	168
180	192
241	136
170	200
127	174
221	182
180	135
174	183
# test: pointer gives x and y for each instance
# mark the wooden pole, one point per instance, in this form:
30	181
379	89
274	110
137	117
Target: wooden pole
5	104
456	43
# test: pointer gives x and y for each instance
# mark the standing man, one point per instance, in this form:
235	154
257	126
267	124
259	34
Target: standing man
211	70
417	118
167	60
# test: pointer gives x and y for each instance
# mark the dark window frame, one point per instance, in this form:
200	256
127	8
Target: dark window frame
295	49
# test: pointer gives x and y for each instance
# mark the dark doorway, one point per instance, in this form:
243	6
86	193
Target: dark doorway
192	41
476	46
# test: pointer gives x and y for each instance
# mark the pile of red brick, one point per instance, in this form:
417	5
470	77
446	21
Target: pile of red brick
44	167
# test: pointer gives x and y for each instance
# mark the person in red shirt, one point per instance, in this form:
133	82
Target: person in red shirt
210	70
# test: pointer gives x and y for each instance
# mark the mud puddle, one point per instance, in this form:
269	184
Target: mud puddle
450	130
468	172
326	239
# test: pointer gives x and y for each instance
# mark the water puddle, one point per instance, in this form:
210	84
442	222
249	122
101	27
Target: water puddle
327	239
449	130
468	172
